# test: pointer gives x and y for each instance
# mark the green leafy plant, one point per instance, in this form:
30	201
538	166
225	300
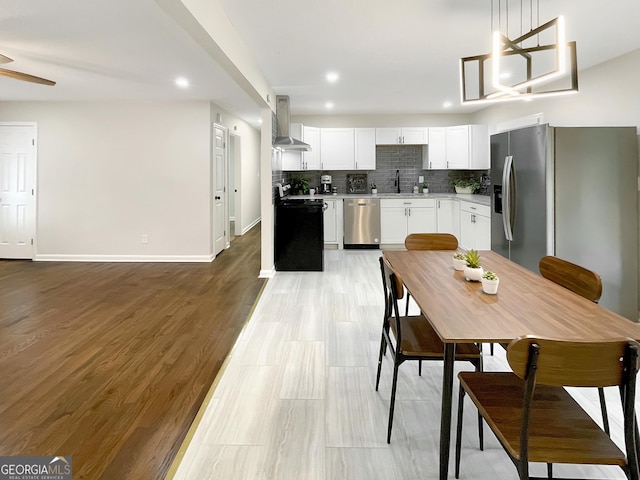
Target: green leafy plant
463	181
467	182
459	256
300	185
473	259
489	275
425	185
373	185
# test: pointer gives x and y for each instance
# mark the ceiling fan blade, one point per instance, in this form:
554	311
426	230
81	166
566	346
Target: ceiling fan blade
5	59
25	76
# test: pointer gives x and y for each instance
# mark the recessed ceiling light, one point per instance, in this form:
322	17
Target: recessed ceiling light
182	82
332	77
447	104
328	105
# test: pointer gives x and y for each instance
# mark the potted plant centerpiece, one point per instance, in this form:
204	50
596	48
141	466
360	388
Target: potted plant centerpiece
459	261
425	187
374	188
490	282
473	270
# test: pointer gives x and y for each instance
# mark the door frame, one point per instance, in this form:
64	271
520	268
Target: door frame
34	215
235	166
225	137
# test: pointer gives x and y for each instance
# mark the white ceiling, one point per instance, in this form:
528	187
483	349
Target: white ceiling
396	56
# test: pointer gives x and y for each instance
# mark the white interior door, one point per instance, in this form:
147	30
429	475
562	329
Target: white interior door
17	190
220	220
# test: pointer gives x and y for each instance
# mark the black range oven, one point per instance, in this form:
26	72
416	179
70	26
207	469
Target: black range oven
299	232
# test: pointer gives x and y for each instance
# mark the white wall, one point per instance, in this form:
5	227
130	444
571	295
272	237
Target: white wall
110	172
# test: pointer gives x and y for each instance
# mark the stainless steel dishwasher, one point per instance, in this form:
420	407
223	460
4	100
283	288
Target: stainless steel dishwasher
362	223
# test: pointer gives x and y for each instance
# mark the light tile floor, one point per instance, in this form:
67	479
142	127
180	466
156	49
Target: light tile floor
297	398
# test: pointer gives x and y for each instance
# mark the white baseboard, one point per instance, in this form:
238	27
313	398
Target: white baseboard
245	230
267	273
125	258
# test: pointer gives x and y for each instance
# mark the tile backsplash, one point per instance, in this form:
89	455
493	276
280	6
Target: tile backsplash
406	160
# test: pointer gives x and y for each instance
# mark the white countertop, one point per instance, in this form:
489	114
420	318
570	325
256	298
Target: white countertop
480	199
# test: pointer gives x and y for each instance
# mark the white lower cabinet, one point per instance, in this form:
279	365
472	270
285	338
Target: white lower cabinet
475	226
448	217
401	217
333	222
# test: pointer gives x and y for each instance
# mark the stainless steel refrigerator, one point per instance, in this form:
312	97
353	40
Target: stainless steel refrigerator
570	192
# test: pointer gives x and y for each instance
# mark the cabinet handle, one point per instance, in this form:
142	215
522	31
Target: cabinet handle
356	165
472	208
438	203
430	165
447	163
473	219
409	211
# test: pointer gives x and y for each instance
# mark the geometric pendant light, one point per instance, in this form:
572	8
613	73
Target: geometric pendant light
522	68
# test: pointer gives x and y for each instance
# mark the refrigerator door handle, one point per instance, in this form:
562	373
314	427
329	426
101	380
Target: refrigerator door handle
508	194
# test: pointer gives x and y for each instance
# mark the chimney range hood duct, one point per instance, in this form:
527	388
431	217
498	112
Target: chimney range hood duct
283	139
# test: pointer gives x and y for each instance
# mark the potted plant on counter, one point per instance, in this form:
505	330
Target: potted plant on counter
300	186
374	188
466	185
490	282
463	183
425	187
473	270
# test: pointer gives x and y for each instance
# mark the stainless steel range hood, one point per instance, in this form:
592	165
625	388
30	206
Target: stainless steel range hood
283	139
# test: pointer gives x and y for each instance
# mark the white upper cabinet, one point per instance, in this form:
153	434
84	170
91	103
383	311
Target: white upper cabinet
437	149
468	147
458	147
461	147
365	148
293	160
402	136
479	148
337	148
415	136
311	159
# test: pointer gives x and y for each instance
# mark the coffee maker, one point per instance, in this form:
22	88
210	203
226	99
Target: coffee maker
325	184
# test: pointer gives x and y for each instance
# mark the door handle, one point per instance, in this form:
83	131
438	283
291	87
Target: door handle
217	197
507	196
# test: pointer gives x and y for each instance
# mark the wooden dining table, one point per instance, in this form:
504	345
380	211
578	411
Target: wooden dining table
526	304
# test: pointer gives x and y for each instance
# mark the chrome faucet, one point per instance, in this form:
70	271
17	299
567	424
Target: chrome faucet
397	182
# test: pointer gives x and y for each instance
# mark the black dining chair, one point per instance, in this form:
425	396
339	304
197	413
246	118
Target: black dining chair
536	420
585	283
412	338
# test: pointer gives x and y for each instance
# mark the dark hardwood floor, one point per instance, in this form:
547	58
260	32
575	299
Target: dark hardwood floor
109	362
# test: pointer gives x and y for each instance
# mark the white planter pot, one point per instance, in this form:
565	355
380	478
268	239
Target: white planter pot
459	264
490	286
473	274
374	191
425	190
464	189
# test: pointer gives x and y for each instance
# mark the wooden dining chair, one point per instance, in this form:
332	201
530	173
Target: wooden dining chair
578	279
429	241
537	420
585	283
412	338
